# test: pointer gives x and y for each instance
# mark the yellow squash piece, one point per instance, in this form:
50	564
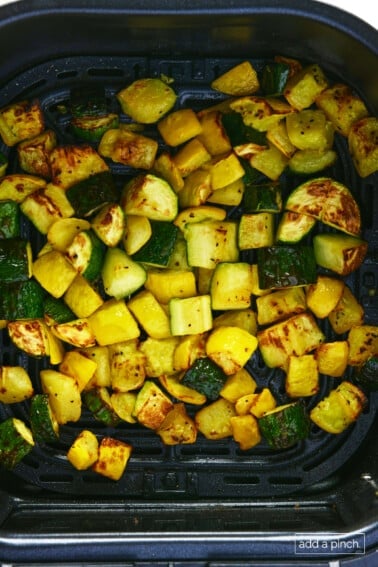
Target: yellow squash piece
112	458
240	80
15	384
64	395
214	420
230	348
113	323
151	405
79	366
83	452
245	431
177	428
302	378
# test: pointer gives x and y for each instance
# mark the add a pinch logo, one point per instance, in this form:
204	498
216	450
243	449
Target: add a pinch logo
329	544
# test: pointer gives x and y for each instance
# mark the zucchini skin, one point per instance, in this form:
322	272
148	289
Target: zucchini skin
56	311
15	260
283	266
90	194
206	377
265	198
274	78
88	100
44	426
9	219
159	247
98	403
21	300
240	133
284	428
14	446
366	375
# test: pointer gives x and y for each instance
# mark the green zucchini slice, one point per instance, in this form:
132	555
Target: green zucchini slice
262	198
99	403
21	300
159	247
86	253
283	266
9	219
88	100
366	375
293	227
44	425
16	441
274	78
15	260
56	311
90	194
92	128
285	425
206	377
121	275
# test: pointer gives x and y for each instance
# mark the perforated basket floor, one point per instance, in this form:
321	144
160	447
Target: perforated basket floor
207	468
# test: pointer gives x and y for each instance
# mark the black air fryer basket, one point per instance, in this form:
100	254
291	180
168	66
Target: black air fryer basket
207	503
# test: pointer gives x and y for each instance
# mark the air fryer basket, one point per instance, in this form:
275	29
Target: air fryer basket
169	497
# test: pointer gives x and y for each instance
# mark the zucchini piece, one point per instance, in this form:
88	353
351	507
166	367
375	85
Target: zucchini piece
293	227
310	130
283	266
16	441
340	253
43	423
366	375
99	403
9	219
150	196
86	254
239	133
147	100
263	198
329	201
309	162
205	377
87	100
121	275
271	162
211	242
21	300
90	194
159	247
231	286
274	78
92	128
15	260
285	425
190	315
